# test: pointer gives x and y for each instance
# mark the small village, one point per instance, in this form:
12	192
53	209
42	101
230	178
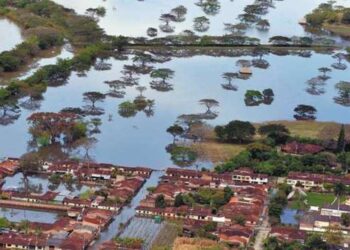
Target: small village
234	208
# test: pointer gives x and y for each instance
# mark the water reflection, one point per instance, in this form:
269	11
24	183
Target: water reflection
142	138
122	17
13	35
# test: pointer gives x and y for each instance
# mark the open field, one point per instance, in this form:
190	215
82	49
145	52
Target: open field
341	30
212	150
313	129
166	237
197	244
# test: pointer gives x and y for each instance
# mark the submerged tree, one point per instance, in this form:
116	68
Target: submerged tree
305	112
201	24
127	109
263	24
209	103
93	97
143	59
175	130
129	72
56	126
166	19
163	74
343	97
183	156
179	12
152	32
324	71
115	88
229	76
339	65
315	86
236	29
210	7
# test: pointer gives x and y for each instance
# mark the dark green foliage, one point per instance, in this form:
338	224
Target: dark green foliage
235	131
160	201
341	140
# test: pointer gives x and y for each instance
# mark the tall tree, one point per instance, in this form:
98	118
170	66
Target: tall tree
341	140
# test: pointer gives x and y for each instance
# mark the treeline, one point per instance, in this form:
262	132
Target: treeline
327	13
263	156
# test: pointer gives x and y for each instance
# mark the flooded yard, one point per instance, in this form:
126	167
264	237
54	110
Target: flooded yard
18	215
42	185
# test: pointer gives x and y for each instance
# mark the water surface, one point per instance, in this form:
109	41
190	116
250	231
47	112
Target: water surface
11	35
132	18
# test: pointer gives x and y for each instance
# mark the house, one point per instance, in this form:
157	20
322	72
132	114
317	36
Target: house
315	222
9	166
301	148
236	235
335	210
310	180
248	175
24	241
183	173
288	234
245	71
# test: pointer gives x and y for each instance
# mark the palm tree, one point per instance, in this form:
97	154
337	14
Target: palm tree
339	190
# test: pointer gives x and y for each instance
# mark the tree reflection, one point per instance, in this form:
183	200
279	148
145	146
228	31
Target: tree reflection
315	86
161	76
229	76
9	112
343	97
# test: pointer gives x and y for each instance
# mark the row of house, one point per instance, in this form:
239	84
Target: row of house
94	171
249	199
241	175
63	234
9	166
310	180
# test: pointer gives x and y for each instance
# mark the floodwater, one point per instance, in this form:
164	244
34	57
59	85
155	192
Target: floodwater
141	140
128	212
41	185
18	215
133	18
11	35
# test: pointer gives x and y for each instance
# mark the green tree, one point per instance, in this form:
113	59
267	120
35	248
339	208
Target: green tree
179	200
345	219
235	131
160	201
341	139
175	130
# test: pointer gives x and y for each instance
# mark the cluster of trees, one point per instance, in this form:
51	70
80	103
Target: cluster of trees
205	196
129	109
263	157
177	14
235	132
255	97
48	128
327	13
278	202
313	242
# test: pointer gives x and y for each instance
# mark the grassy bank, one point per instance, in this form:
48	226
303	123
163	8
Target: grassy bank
212	150
182	243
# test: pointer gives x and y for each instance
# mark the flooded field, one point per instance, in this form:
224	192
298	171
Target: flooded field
18	215
13	35
133	18
141	139
41	185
